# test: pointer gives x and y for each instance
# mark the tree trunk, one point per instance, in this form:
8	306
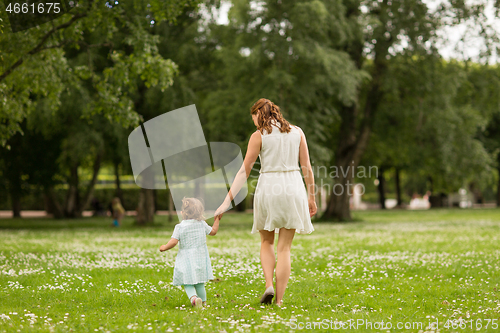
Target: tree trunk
199	191
53	207
498	189
354	134
476	191
338	205
170	207
381	188
155	200
146	207
49	208
90	187
398	188
348	155
73	197
15	192
498	186
118	189
16	205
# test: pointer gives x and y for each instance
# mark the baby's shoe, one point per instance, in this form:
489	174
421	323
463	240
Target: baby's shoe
196	302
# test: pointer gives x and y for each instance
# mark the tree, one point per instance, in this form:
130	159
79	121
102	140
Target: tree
34	66
288	52
482	94
386	29
108	52
426	128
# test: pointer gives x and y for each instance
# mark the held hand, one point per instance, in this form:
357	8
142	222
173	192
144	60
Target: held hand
312	207
163	248
222	208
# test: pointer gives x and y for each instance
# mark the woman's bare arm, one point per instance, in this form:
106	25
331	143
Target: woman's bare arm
305	164
254	146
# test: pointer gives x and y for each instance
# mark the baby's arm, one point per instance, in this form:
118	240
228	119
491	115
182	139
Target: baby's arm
171	243
215	227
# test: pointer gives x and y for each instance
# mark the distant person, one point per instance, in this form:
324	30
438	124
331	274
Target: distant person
192	265
427	195
118	212
418	202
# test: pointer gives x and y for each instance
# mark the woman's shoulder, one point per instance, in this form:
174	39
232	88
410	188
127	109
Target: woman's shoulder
256	135
296	129
256	139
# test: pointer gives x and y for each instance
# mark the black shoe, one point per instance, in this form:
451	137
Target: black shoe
267	298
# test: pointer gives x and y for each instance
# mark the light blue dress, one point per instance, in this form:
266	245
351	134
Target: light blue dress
192	264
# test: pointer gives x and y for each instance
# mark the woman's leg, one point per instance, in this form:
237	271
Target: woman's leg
190	290
200	291
283	266
267	258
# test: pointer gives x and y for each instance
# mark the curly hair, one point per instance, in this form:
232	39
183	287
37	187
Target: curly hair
268	113
192	209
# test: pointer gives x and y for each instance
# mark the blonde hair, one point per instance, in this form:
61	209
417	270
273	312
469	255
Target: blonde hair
192	209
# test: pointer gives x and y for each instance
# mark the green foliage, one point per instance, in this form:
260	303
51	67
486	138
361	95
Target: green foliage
289	53
34	66
430	112
429	121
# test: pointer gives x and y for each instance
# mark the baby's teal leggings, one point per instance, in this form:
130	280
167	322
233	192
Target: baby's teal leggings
196	289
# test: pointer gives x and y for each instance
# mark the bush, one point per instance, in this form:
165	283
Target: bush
34	199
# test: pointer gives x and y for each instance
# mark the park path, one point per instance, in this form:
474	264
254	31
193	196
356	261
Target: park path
41	213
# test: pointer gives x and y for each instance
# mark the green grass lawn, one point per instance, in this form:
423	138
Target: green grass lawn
397	267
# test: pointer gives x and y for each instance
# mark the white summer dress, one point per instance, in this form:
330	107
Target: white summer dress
280	196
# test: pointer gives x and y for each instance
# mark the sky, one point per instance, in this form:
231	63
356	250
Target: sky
462	41
459	42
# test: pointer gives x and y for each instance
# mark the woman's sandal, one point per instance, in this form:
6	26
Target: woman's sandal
267	298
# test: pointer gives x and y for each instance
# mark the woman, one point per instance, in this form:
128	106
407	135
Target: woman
280	202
